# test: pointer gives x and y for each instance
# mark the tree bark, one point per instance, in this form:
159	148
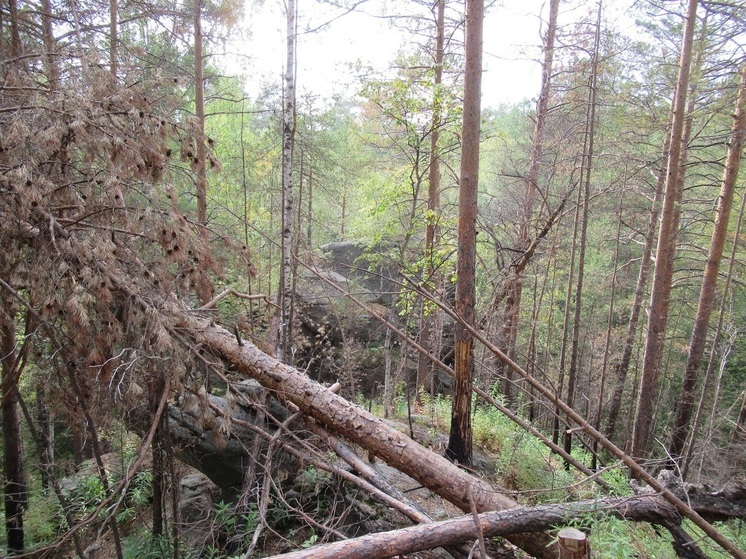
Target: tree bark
432	230
514	288
573	544
662	277
460	440
14	473
199	108
583	202
709	281
615	402
113	39
50	45
288	136
643	508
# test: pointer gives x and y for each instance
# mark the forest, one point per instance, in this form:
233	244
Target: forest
239	319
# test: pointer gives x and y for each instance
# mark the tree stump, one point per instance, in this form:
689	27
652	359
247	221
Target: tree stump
573	544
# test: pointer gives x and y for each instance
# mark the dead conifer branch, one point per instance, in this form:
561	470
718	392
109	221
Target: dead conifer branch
230	291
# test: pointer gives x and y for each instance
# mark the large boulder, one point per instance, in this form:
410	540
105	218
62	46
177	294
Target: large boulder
197	497
372	266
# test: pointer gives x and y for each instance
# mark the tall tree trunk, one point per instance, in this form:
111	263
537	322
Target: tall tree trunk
429	327
50	46
113	39
155	393
288	136
661	289
609	325
566	318
615	402
46	428
460	439
309	223
585	188
199	164
718	347
199	109
515	279
14	472
15	34
709	281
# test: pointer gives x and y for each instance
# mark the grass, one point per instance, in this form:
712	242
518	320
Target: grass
524	464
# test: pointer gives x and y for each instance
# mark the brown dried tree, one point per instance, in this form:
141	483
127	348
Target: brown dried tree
460	440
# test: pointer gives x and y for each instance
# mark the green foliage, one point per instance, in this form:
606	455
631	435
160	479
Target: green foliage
613	538
311	541
86	495
138	496
236	526
490	429
143	545
42	520
311	479
525	464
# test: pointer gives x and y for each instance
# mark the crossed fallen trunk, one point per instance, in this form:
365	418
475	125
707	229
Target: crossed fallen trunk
357	425
647	507
525	527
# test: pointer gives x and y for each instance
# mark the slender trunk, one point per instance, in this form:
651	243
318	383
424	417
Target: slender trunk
14	471
615	402
199	109
609	327
113	39
309	223
709	281
175	497
661	289
586	191
460	440
716	344
344	217
46	428
515	279
531	353
288	139
15	34
157	385
199	163
50	46
739	429
387	381
432	231
159	487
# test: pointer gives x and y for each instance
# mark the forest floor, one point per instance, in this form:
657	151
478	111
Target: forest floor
485	464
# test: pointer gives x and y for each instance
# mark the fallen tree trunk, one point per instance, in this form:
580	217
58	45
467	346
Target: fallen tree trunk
646	508
359	426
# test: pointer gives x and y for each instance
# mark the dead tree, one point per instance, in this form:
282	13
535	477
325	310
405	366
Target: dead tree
648	507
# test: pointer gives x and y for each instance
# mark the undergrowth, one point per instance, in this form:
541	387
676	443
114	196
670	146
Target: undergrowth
527	468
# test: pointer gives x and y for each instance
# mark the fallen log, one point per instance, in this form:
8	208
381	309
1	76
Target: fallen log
357	425
650	507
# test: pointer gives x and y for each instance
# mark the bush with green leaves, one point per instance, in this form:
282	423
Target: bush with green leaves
143	545
139	495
